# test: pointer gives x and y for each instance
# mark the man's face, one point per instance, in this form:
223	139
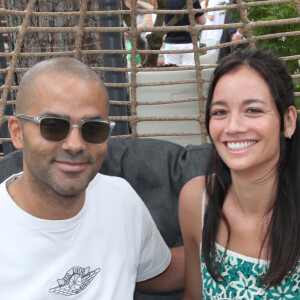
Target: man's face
66	167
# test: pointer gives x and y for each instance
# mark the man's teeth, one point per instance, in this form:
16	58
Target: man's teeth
240	146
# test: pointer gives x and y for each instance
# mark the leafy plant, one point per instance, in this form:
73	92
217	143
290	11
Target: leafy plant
282	46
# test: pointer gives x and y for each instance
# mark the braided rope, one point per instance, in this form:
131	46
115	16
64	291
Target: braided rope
80	28
194	35
77	50
15	55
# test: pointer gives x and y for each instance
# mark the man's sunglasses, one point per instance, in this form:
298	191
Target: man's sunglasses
57	129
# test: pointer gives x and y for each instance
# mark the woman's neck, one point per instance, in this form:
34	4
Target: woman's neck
254	196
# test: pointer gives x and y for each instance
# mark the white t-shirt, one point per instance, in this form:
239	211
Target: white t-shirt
98	254
219	17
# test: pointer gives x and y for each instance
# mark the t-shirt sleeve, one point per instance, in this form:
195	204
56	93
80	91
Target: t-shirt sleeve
197	5
155	255
211	4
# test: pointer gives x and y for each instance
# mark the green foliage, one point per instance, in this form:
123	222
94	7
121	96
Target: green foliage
282	46
297	99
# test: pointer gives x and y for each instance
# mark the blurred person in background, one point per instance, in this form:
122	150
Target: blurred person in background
181	40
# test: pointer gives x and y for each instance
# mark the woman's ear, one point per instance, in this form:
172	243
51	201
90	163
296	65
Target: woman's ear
290	118
15	129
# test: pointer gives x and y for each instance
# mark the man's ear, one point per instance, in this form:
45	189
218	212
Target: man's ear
15	129
290	118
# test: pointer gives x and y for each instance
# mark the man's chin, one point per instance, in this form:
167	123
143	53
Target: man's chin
72	187
69	190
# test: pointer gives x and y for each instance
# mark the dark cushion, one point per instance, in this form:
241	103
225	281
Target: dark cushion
157	170
10	164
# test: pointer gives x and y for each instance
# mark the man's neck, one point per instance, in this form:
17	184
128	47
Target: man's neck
43	202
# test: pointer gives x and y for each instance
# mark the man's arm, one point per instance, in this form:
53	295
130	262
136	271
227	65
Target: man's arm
201	20
172	279
238	35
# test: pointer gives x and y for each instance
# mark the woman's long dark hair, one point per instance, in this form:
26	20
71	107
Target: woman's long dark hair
283	231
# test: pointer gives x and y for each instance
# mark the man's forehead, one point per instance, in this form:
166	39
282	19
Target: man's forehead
61	77
58	82
62	87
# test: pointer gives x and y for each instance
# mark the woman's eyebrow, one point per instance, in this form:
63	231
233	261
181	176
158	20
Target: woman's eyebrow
249	101
245	101
219	102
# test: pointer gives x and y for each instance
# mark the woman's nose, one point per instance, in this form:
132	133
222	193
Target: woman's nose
235	123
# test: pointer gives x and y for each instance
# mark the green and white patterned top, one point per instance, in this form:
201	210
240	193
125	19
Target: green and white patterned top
242	275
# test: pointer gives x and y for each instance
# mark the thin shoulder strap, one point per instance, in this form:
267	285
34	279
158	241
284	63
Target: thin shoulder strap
203	206
202	217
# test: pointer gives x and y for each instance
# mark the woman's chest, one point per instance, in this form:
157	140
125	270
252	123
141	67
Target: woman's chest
245	238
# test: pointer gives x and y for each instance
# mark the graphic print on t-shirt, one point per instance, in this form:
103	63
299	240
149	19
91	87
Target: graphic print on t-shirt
74	281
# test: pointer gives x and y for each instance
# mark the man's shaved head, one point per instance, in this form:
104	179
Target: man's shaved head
55	66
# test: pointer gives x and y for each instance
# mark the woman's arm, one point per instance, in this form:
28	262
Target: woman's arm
172	279
144	5
190	203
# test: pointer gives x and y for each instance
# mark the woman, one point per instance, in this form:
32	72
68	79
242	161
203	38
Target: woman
244	219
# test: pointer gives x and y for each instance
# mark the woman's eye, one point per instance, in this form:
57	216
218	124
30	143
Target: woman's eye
218	113
253	110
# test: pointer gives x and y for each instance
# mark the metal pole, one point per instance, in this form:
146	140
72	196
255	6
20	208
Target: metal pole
113	41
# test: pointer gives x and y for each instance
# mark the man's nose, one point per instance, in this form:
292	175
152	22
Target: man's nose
74	142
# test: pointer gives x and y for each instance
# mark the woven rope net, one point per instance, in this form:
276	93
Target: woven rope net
161	101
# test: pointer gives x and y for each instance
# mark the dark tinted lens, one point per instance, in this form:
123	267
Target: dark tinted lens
54	129
95	132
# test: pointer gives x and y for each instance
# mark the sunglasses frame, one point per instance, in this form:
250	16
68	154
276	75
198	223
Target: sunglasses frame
73	124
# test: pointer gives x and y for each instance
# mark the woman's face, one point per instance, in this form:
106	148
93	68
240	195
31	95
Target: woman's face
244	123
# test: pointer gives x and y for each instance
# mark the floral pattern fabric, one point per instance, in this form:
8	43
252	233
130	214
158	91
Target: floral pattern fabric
242	275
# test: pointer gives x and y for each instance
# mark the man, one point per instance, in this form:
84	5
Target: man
181	40
66	230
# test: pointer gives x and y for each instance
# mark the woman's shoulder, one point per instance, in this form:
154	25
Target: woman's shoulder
190	205
193	190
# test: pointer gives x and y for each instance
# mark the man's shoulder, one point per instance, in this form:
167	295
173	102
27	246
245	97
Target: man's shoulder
109	192
112	185
177	4
108	180
197	5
